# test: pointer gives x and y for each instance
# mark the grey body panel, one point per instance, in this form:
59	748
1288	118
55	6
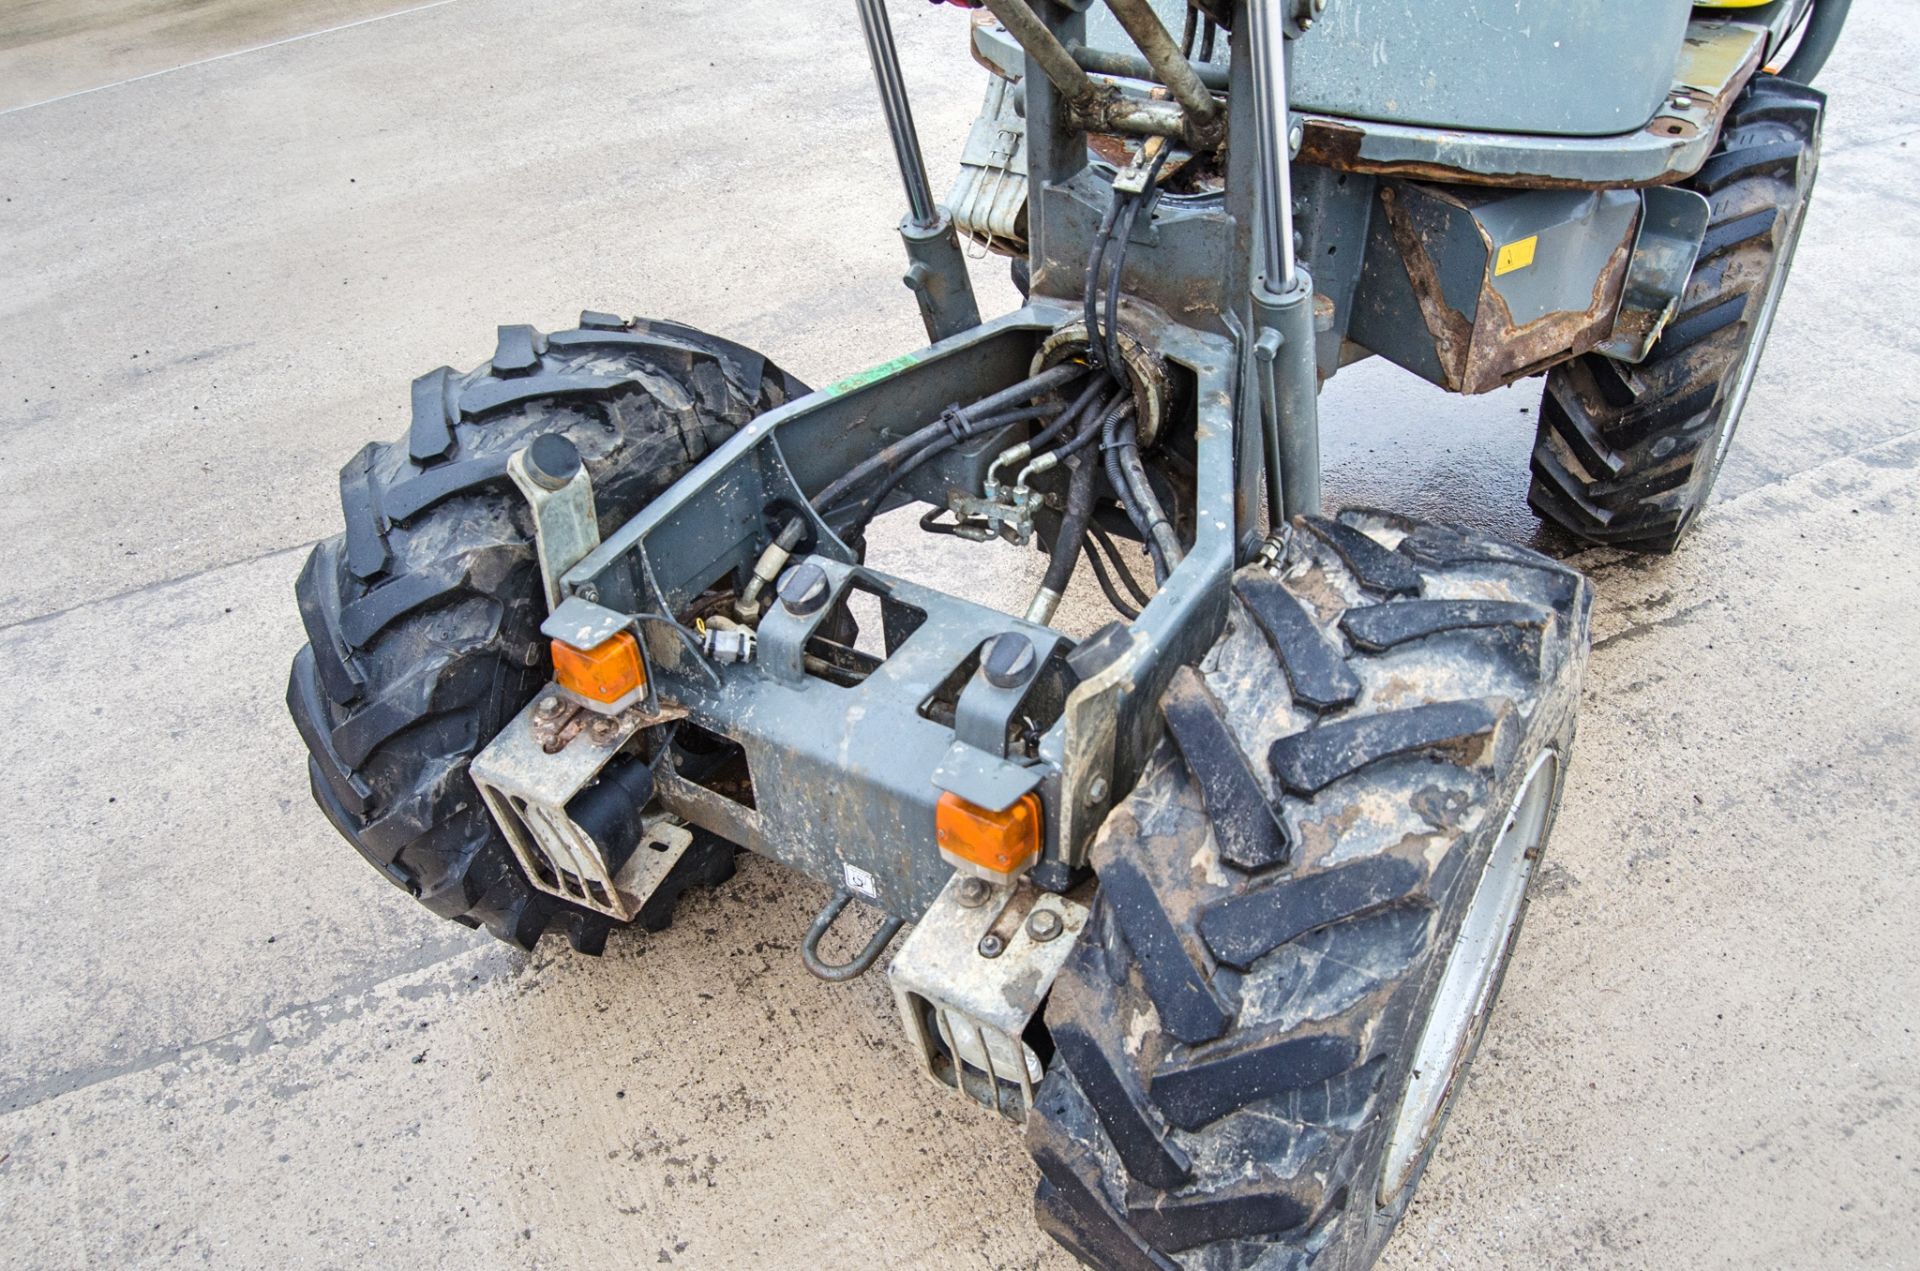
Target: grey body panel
1706	62
1535	66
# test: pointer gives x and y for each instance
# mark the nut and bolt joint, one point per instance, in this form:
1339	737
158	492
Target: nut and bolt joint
1044	924
992	946
971	893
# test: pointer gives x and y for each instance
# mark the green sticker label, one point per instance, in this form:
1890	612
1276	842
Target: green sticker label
871	375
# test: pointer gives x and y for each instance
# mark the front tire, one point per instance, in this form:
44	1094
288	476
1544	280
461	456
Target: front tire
1307	902
423	618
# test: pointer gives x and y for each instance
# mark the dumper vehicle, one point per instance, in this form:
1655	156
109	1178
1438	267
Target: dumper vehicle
1214	899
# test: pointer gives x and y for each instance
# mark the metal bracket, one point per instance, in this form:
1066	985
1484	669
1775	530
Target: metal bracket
533	769
565	526
970	978
1673	223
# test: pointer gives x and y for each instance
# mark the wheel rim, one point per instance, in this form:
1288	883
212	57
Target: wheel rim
1460	1004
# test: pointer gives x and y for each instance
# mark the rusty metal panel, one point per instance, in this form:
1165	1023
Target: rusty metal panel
1474	288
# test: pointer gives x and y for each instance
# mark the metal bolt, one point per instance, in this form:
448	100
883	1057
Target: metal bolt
1296	134
552	461
972	893
1096	792
992	946
588	592
1044	924
1682	100
1009	662
603	728
548	707
803	589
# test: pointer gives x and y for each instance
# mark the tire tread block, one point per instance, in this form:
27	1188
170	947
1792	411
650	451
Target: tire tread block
310	717
517	350
427	691
430	434
1770	158
1132	1126
366	541
1199	1092
405	500
318	596
372	613
1729	234
1315	669
1688	330
1244	928
496	394
1308	762
1189	1008
1377	628
1378	568
1249	832
1248	1211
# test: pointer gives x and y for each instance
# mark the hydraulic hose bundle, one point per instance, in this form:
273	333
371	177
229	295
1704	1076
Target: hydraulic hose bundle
1100	411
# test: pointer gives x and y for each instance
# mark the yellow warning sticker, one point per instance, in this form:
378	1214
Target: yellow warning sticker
1515	255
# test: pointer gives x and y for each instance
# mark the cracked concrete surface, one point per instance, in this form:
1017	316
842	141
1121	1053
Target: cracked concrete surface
227	1041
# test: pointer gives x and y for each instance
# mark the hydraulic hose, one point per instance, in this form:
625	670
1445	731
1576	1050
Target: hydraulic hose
1121	403
945	441
1158	528
1066	547
1068	418
1114	598
1817	41
1046	381
1105	540
1116	479
1090	297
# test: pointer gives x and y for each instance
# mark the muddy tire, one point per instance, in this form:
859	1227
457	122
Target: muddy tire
1285	896
423	618
1627	454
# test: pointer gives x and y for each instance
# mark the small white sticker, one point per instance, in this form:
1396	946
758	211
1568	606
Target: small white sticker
861	881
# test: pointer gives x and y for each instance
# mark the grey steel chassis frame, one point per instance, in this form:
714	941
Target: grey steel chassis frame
849	775
846	771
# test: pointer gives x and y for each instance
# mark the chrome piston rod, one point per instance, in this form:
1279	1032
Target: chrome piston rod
893	99
1267	39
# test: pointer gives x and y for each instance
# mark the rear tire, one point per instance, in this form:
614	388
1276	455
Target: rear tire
423	618
1283	895
1627	454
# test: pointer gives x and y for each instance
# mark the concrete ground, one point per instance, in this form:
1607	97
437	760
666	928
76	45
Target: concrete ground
226	1041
